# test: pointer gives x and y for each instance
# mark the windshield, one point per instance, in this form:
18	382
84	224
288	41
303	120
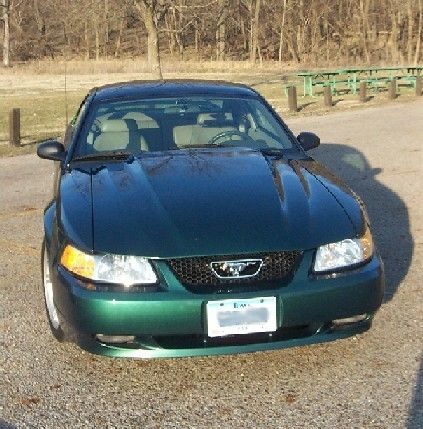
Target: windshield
151	125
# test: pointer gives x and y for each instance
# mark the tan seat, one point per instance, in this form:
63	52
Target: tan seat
208	126
142	120
119	134
148	129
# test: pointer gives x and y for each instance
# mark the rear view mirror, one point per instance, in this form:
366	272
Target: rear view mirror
51	149
308	140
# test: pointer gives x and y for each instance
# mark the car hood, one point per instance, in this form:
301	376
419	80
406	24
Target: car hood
206	202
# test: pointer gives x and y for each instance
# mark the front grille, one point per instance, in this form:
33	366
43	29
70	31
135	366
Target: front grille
196	275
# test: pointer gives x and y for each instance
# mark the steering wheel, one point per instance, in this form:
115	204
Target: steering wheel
228	134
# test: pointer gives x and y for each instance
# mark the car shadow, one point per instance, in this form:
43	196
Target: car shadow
387	211
415	414
6	425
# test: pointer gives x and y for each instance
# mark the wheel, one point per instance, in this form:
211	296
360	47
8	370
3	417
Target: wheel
54	321
227	135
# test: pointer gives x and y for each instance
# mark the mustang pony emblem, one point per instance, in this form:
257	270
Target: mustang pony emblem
239	269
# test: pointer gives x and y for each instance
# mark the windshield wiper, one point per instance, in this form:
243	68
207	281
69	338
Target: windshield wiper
111	154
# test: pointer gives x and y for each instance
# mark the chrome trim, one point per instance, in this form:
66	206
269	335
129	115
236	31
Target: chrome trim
237	275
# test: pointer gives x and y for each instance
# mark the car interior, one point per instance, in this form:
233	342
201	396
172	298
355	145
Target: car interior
175	127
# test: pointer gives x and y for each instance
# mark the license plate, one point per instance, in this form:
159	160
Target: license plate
241	316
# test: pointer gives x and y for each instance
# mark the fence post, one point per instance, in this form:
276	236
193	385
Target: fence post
418	86
15	127
363	88
328	96
292	98
392	89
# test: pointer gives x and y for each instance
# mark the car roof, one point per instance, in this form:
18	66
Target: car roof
170	88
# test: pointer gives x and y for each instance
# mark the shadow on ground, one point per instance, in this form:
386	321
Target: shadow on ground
6	425
305	105
387	211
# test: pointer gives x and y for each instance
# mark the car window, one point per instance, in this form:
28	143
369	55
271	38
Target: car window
80	112
151	125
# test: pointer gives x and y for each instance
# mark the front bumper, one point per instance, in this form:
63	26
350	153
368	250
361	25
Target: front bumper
146	348
305	309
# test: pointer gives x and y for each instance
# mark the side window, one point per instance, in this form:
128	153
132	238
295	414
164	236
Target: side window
267	129
75	121
77	117
80	112
264	123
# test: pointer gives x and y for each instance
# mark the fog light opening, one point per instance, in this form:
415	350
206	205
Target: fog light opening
349	320
115	339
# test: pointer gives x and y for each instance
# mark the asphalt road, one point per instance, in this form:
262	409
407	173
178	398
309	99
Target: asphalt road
371	381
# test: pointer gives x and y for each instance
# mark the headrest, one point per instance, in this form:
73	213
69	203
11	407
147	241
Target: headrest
212	119
142	120
138	116
114	126
244	125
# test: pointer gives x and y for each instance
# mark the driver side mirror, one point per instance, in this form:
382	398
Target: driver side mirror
308	140
51	149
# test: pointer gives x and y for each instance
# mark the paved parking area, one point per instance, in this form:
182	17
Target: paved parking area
371	381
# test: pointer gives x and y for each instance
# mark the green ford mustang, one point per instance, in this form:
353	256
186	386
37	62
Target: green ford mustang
188	220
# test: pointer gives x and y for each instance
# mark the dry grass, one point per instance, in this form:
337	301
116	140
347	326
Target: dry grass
43	113
139	66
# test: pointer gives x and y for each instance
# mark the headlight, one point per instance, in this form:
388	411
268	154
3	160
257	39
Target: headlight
344	253
121	269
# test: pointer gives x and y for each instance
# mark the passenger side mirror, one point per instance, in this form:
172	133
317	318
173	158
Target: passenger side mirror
51	149
308	140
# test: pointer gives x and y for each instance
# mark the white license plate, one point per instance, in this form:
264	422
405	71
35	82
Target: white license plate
241	316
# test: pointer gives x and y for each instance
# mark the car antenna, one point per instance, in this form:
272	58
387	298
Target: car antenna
66	92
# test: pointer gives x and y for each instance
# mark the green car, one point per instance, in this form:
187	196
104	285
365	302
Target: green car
188	220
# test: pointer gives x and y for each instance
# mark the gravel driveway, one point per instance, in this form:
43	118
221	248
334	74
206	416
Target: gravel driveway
371	381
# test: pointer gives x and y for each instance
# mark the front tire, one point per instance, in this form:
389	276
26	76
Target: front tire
54	320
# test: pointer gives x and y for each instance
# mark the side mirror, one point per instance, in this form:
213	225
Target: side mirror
51	149
308	140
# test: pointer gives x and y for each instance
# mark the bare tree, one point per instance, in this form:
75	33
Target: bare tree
282	31
5	4
419	34
221	29
309	32
149	10
253	7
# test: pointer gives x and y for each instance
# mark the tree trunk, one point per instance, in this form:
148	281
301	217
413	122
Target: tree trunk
178	34
292	48
6	35
220	44
254	30
41	26
419	34
119	38
97	39
410	19
221	30
87	41
196	41
282	31
146	12
244	36
364	11
394	38
171	40
106	28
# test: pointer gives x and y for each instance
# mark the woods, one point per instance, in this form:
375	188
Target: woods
304	32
